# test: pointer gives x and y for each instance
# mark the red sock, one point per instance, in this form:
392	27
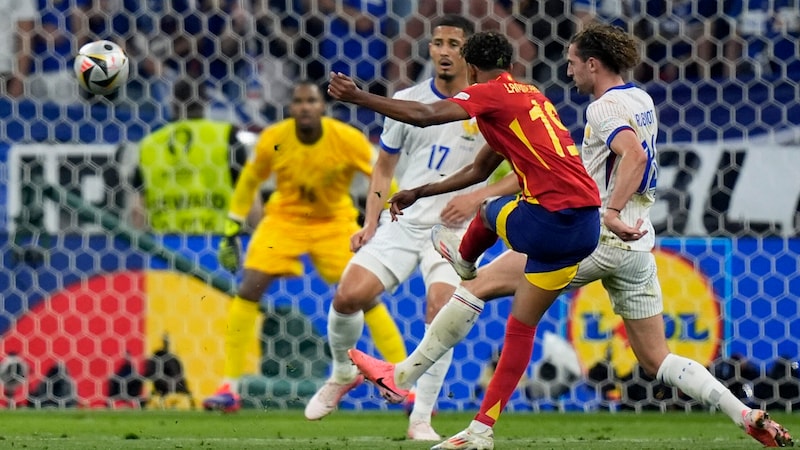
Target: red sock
476	240
514	360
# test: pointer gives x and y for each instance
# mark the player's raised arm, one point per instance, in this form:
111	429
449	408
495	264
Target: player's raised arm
419	114
479	170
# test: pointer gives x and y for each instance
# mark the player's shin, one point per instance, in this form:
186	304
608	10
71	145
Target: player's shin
451	325
343	333
239	335
697	382
514	360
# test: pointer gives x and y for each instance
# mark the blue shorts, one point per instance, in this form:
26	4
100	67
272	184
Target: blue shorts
551	240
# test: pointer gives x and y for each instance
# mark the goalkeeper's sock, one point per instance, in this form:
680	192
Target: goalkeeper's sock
451	325
239	335
697	382
476	240
385	334
428	387
514	360
343	333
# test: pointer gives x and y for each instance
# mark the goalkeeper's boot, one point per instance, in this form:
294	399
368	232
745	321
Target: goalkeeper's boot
446	243
468	439
381	373
327	398
224	400
420	430
758	424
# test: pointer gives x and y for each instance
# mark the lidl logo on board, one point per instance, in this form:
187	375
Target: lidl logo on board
693	323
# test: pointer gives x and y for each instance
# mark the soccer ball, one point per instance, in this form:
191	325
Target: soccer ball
101	67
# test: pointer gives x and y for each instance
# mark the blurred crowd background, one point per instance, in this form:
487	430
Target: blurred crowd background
247	52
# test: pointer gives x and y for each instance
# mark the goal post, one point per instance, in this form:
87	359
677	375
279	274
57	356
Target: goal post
138	239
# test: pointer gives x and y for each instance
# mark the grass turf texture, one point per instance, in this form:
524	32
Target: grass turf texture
26	429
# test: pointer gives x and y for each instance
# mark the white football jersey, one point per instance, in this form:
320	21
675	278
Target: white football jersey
429	154
619	108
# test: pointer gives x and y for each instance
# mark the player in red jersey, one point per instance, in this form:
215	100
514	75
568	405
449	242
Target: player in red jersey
554	221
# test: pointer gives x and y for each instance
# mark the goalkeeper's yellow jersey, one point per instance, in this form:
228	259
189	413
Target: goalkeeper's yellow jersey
311	181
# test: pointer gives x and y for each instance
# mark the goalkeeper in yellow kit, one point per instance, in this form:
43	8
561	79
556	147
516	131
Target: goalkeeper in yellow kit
314	159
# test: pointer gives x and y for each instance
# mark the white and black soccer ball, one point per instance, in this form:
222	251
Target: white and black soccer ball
101	67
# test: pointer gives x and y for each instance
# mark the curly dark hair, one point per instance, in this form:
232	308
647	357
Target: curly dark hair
488	50
611	45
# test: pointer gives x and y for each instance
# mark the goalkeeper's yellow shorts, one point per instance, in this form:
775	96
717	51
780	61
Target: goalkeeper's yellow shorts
279	241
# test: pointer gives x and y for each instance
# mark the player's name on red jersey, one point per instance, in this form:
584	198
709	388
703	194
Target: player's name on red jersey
520	88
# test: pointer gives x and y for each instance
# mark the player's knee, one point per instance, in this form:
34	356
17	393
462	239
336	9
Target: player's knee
439	293
350	299
253	285
433	306
480	286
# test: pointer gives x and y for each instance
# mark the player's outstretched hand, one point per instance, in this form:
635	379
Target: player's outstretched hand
342	87
460	209
229	252
625	232
401	201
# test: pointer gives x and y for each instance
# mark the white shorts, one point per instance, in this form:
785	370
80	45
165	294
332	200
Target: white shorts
397	249
629	277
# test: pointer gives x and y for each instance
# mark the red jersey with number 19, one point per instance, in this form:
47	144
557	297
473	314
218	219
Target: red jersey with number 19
521	124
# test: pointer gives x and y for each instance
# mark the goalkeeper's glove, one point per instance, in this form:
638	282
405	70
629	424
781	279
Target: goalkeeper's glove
230	247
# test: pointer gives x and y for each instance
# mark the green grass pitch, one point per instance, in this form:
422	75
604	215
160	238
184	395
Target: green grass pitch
250	429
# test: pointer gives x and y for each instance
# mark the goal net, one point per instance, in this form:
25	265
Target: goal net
96	312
